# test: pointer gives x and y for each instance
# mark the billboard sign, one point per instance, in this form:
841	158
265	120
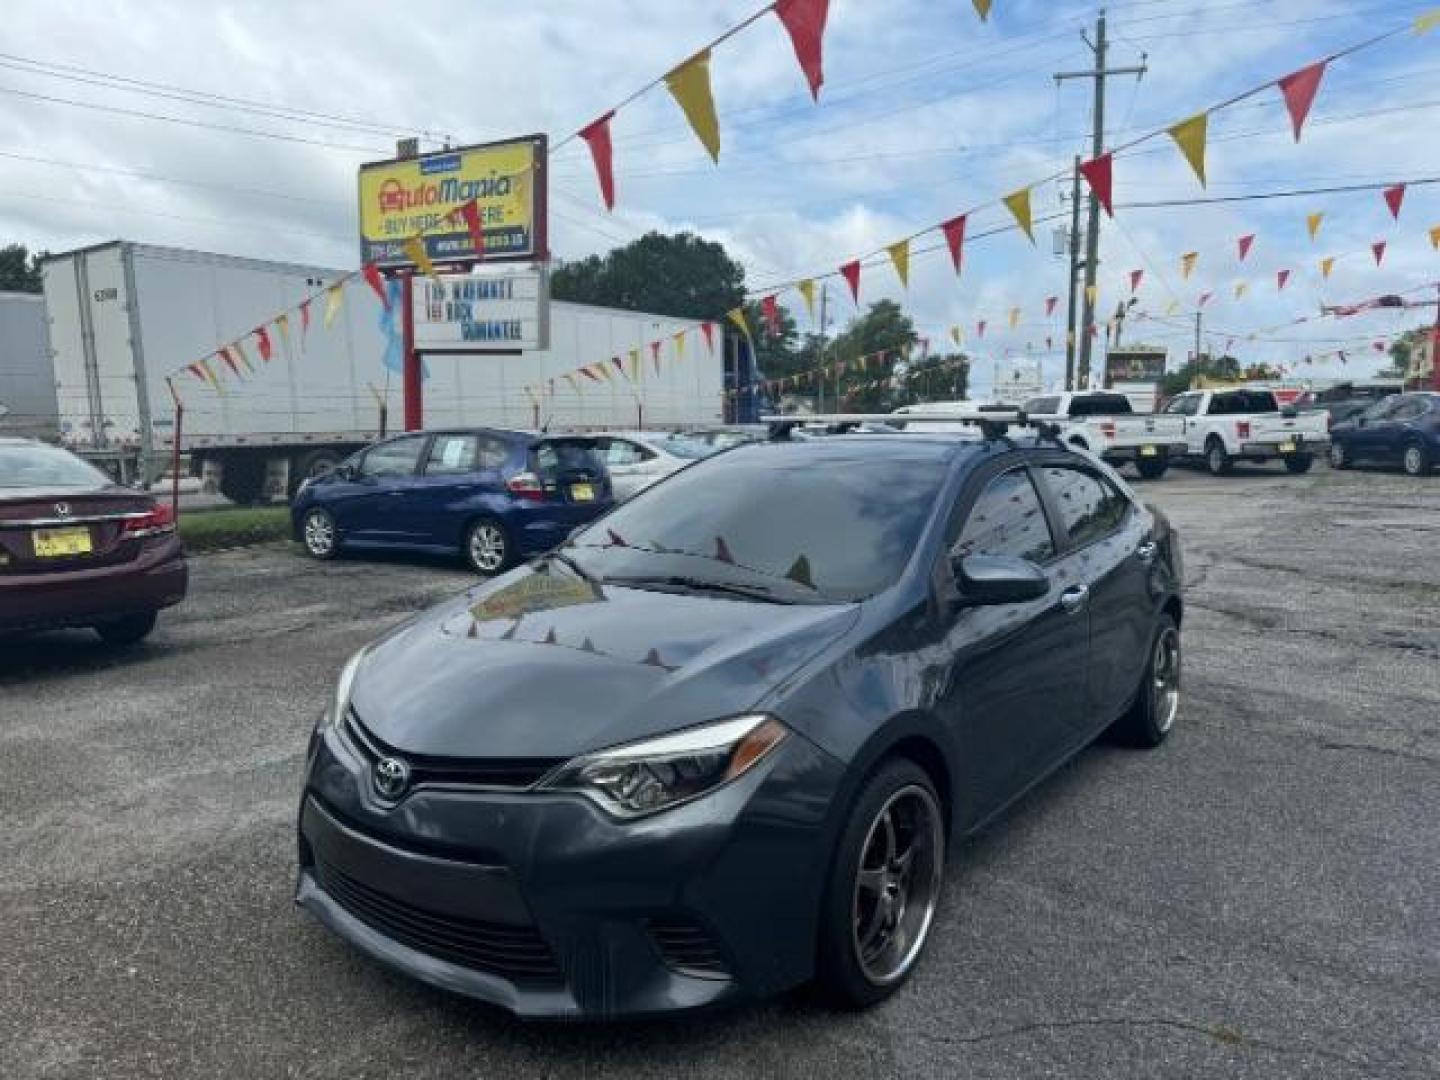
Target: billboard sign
506	180
498	311
1135	363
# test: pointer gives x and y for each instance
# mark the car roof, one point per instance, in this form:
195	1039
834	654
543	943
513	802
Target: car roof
900	445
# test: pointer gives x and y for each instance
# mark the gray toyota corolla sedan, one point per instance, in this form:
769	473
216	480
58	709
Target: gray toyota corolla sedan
719	744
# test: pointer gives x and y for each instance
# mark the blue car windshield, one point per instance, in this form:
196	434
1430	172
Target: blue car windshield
835	527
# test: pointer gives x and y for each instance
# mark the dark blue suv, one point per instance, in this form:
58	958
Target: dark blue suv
1403	429
492	496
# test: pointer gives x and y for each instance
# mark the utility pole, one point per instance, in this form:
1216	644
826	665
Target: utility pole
1100	47
824	316
1073	242
1199	316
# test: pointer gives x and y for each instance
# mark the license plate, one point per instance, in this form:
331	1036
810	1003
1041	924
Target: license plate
1148	451
582	493
1287	448
57	543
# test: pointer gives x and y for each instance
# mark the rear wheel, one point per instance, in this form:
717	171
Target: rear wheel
1152	468
487	547
1340	456
1299	463
1417	460
1217	459
1149	720
318	534
884	886
128	629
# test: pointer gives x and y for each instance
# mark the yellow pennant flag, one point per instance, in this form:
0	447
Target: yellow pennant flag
1014	317
1172	307
1019	205
634	364
1435	237
1240	289
807	290
1187	263
1427	22
1326	265
737	316
680	345
689	85
1092	294
415	249
1190	136
900	256
956	335
334	298
982	8
282	324
239	347
1312	224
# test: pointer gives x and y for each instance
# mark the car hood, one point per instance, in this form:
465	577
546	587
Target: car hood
540	663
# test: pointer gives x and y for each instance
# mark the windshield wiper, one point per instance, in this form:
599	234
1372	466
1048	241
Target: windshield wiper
681	581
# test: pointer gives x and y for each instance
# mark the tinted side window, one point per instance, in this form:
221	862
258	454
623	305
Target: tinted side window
493	452
1007	519
1042	406
1089	507
397	458
1101	405
1409	409
1184	406
451	454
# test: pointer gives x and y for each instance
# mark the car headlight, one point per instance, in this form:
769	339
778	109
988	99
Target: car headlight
343	686
645	777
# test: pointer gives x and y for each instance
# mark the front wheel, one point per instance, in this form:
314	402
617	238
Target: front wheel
1148	722
1339	456
127	630
318	534
1417	460
884	887
1299	463
487	547
1151	468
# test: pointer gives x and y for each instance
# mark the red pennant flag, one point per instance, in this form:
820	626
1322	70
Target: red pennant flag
619	364
1205	298
1100	175
304	317
1342	357
1299	90
198	370
1394	197
770	309
805	22
954	231
1050	302
655	355
1378	249
229	358
262	342
980	328
597	136
589	374
471	213
1280	279
708	329
1049	343
1136	276
371	274
722	552
1379	346
851	273
1246	243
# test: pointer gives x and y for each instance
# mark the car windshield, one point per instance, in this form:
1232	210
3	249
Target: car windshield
40	466
792	525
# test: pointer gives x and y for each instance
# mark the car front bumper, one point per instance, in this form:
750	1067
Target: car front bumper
545	905
157	578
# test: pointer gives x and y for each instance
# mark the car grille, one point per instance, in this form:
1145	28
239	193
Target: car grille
513	774
688	947
516	953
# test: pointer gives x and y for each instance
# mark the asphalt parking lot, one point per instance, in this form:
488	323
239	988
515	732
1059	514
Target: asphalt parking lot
1259	898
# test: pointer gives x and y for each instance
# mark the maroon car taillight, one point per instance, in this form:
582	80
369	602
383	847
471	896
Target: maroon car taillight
526	486
157	521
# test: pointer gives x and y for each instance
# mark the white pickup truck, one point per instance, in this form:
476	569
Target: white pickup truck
1226	426
1107	425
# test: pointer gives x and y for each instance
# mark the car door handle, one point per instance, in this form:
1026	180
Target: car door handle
1147	551
1074	598
395	493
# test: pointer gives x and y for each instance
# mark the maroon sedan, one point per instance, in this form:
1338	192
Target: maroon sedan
79	550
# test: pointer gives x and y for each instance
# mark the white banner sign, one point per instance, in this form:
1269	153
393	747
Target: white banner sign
503	311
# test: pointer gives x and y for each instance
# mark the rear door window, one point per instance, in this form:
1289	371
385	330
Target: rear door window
1090	507
451	455
1007	519
395	458
1100	405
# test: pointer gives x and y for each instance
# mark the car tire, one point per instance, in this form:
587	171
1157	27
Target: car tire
1416	460
1217	458
1339	456
1299	463
872	881
1150	719
1152	468
319	534
488	548
127	630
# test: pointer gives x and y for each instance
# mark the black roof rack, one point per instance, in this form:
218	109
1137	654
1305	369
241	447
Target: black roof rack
993	424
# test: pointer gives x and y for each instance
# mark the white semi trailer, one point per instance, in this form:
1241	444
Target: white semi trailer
122	316
27	377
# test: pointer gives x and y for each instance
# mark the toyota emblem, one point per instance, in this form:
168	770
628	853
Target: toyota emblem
62	510
392	777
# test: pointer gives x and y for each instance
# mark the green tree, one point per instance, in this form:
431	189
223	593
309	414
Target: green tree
938	377
884	327
681	276
19	269
1401	350
1223	369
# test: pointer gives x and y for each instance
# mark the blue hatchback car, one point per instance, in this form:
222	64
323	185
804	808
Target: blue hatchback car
490	495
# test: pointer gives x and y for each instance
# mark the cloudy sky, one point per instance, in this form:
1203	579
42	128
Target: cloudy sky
925	113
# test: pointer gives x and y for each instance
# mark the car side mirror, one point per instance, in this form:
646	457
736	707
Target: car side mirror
989	580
